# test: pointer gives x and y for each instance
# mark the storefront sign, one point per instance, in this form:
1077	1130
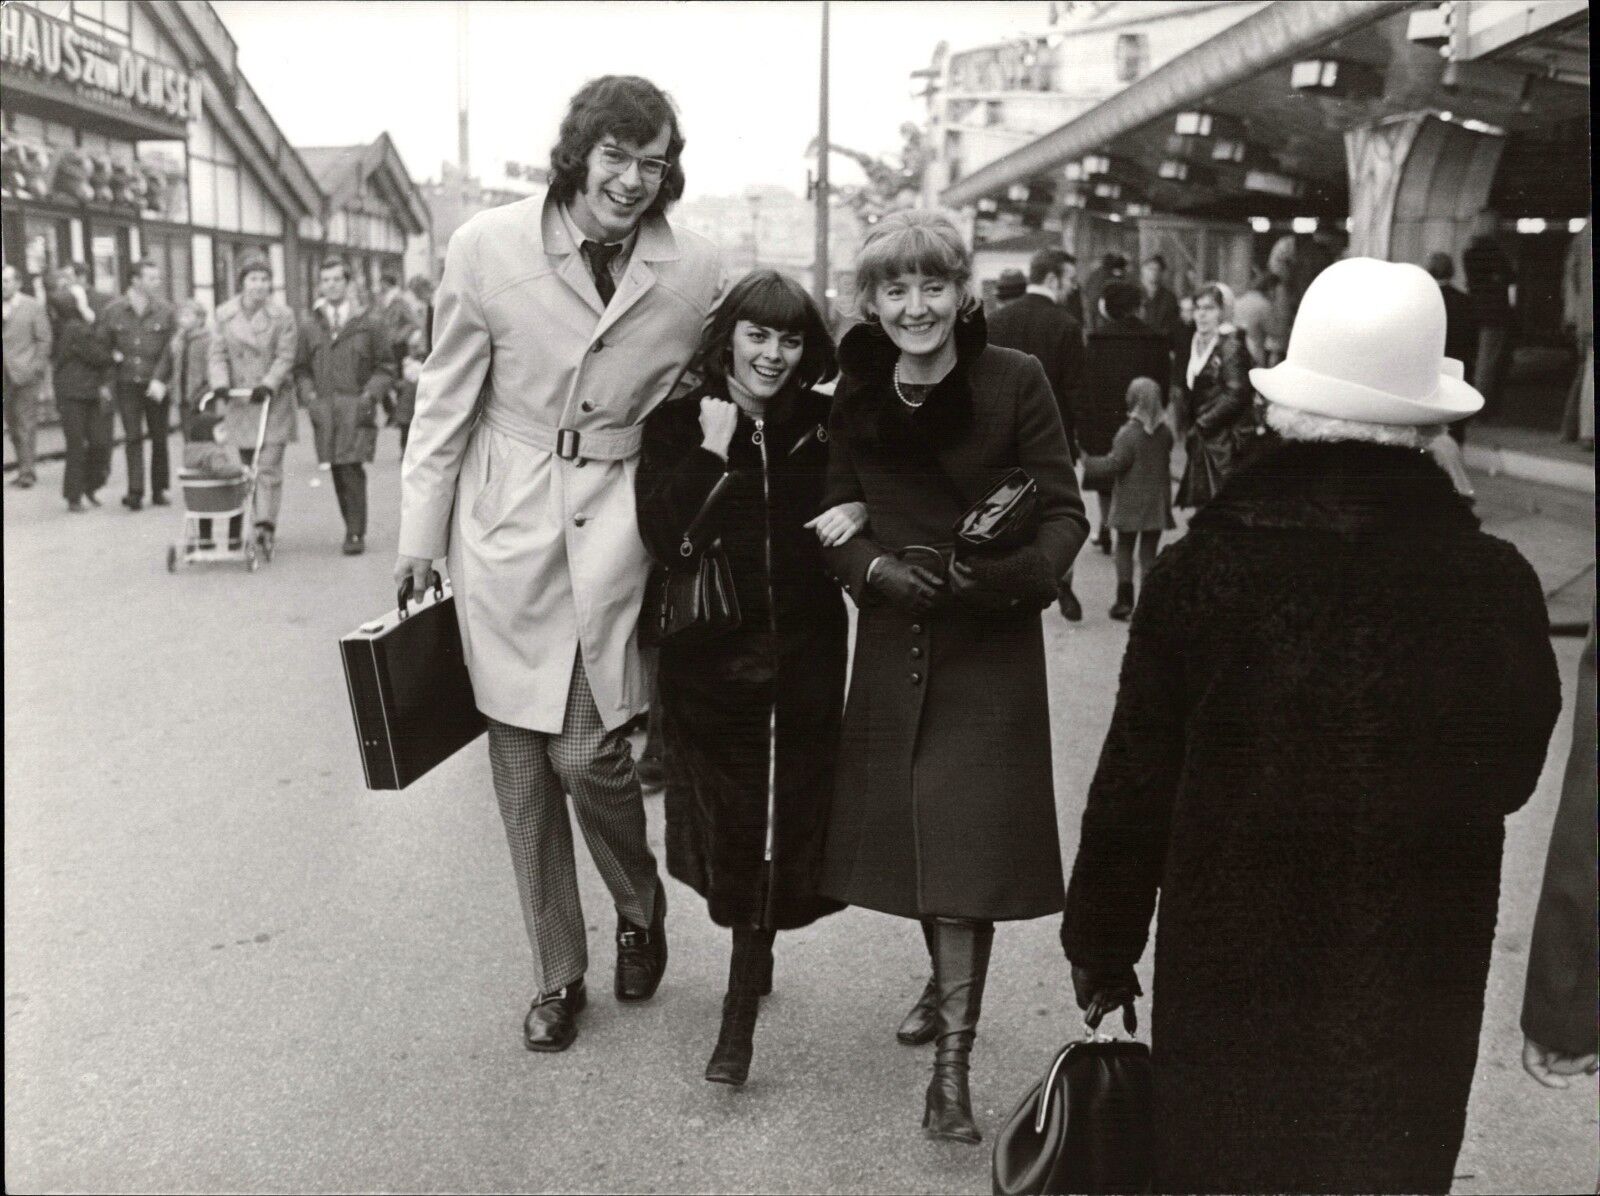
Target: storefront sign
94	68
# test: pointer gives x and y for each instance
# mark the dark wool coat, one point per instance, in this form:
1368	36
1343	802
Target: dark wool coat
717	698
80	358
1033	324
1118	352
1219	413
342	380
1335	689
1139	470
945	802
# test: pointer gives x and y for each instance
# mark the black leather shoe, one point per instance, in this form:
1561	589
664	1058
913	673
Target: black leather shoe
160	500
132	501
354	545
552	1022
642	953
1071	608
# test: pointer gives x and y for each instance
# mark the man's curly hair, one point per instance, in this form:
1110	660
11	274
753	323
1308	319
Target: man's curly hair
625	107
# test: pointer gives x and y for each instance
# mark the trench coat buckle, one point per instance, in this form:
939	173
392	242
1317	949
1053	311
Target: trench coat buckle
567	443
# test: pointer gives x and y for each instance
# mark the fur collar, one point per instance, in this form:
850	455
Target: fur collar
872	412
1346	487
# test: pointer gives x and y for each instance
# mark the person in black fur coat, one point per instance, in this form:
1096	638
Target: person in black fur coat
1336	687
750	719
945	805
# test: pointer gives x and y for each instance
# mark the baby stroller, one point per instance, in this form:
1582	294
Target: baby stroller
218	502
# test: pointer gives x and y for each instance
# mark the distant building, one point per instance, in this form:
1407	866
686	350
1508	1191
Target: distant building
371	213
455	198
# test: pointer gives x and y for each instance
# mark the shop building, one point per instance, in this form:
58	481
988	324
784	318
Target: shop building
370	214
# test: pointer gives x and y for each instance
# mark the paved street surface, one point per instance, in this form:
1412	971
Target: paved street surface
229	967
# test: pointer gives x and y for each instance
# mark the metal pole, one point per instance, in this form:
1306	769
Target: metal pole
819	269
462	90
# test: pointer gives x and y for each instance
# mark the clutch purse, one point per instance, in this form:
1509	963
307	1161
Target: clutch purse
1006	517
1088	1126
693	601
409	690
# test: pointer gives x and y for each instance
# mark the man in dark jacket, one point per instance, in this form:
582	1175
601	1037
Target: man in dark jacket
1492	287
344	369
136	327
1036	323
1113	267
1158	306
1123	348
1460	325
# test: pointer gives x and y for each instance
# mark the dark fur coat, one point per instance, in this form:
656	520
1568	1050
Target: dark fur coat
717	698
1335	689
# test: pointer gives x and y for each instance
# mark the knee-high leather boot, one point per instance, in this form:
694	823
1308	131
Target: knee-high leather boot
917	1027
960	967
750	965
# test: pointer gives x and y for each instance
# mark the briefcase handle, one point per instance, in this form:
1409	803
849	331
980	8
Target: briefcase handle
407	588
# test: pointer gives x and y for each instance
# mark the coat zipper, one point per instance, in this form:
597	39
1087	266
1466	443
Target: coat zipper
760	438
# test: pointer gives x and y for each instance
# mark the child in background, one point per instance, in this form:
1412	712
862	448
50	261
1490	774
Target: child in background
1139	465
208	453
405	390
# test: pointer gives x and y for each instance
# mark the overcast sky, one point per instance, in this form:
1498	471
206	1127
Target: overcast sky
744	74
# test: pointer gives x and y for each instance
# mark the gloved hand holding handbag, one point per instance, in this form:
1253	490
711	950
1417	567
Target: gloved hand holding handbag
1100	990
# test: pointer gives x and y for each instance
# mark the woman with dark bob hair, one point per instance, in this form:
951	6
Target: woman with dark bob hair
944	809
750	718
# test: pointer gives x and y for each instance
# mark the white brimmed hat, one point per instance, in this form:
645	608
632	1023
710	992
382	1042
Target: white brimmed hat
1368	345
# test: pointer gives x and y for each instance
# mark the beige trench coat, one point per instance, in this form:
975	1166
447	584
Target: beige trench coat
542	538
256	350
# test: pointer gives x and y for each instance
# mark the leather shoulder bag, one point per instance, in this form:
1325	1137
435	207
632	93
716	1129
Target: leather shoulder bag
693	599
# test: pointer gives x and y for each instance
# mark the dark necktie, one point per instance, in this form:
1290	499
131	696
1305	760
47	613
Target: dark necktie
599	258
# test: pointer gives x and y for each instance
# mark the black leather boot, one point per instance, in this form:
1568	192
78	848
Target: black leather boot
752	958
960	966
1124	604
918	1026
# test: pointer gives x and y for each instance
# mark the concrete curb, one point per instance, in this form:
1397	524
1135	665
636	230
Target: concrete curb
1530	467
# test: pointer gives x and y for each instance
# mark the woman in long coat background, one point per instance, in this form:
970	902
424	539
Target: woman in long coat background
1336	687
945	806
749	719
1216	403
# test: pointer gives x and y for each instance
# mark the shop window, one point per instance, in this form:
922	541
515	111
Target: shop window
26	128
109	254
1133	56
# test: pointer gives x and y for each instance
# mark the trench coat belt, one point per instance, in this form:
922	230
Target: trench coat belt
599	444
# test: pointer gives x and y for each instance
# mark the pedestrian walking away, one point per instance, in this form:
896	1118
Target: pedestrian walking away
944	808
137	325
1140	467
27	340
750	719
1123	348
405	388
253	348
1492	287
1037	324
185	364
560	323
82	365
344	369
1216	406
1460	327
1335	689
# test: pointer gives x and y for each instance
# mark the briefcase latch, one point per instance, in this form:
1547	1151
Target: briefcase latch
567	443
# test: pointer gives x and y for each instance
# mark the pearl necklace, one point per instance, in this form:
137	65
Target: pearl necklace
901	395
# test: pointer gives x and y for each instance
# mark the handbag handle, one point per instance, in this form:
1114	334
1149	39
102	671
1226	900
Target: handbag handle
408	587
686	548
1091	1033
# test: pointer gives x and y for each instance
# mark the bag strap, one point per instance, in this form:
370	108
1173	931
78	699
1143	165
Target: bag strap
686	548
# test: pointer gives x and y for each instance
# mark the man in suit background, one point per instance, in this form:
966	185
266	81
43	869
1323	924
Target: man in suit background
27	376
1038	324
1460	325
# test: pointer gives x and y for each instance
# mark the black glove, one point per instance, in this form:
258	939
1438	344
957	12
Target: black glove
1099	991
910	587
260	394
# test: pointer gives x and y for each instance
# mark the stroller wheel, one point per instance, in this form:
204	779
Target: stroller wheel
172	558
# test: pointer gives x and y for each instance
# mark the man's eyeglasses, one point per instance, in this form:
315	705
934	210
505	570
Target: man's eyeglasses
615	160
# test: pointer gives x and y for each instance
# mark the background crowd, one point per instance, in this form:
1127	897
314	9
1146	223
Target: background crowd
148	365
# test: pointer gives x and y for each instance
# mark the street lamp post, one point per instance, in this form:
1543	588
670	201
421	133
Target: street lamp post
819	269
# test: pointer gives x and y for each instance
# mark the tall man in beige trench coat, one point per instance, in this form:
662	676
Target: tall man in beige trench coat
558	326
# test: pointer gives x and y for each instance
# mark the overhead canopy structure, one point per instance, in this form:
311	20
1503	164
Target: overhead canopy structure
1253	121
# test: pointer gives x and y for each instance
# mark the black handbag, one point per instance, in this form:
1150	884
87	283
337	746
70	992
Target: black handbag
1005	517
409	689
694	601
1088	1126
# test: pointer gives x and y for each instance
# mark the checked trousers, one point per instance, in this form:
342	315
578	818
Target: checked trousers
533	774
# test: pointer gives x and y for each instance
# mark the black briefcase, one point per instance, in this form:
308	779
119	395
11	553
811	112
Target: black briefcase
409	689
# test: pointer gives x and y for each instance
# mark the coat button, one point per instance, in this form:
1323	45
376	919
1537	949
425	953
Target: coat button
598	345
586	405
916	678
916	654
580	520
916	629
